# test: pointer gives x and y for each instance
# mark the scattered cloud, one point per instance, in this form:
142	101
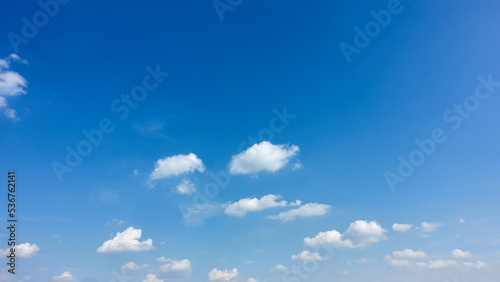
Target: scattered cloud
243	206
11	84
477	265
359	234
308	256
307	210
461	220
226	275
177	266
197	214
126	241
264	156
410	254
252	280
25	250
176	165
66	277
133	266
402	227
457	253
152	278
439	264
185	187
429	227
279	268
115	221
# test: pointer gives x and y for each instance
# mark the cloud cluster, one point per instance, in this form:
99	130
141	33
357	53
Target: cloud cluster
219	275
264	156
359	234
126	241
11	84
185	187
410	258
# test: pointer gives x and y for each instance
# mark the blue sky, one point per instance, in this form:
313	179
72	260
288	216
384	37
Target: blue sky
317	147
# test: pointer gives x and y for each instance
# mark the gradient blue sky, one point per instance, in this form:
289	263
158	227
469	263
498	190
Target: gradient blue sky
352	121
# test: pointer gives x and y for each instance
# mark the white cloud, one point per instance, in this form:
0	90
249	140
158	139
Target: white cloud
152	278
439	264
243	206
133	266
364	260
11	84
461	220
477	265
399	263
296	166
176	165
457	253
307	210
279	268
66	277
185	187
219	275
178	266
410	254
402	227
25	250
162	259
252	280
126	241
359	234
308	256
429	227
264	156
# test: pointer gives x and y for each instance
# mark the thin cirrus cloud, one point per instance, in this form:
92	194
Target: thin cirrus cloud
307	210
360	234
264	156
176	165
11	84
126	241
243	206
223	275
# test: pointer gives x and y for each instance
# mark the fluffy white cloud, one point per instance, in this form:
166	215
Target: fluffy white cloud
279	268
410	254
429	227
133	266
402	227
477	265
264	156
25	250
359	234
11	84
308	256
439	264
185	187
152	278
66	277
307	210
178	266
243	206
252	280
176	165
457	253
219	275
126	241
